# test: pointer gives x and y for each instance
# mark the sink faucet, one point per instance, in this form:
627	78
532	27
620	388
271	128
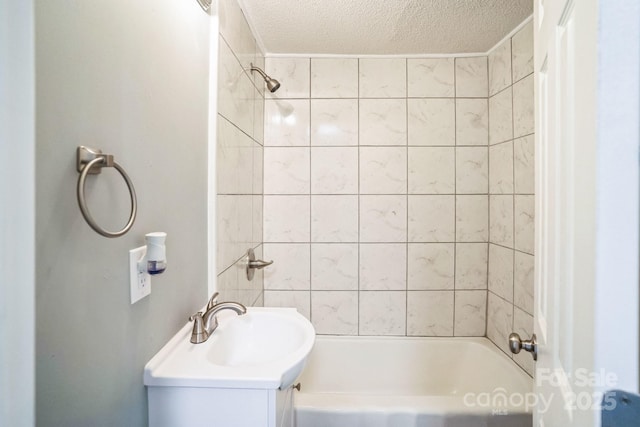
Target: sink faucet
206	323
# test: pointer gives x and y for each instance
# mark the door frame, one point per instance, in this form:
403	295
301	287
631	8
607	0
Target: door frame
617	297
17	215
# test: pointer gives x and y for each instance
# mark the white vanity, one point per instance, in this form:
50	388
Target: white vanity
241	376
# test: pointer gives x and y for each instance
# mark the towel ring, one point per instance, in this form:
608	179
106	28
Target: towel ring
90	161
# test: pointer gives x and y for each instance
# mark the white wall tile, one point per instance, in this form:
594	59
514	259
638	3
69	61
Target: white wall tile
334	170
430	313
334	78
257	216
293	75
236	32
431	122
300	300
257	185
227	285
290	268
471	265
470	313
523	111
524	164
524	223
500	117
383	312
235	159
383	122
501	271
471	77
472	121
501	220
523	281
334	266
334	218
501	172
499	321
227	231
334	122
383	219
431	218
383	78
431	266
286	170
383	266
287	219
431	77
472	169
245	222
431	170
471	218
522	52
235	90
383	170
335	312
258	117
500	68
523	326
286	122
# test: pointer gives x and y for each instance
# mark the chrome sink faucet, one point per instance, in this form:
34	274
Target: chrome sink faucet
206	323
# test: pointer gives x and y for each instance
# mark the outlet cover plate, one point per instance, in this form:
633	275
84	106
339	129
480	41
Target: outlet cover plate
139	279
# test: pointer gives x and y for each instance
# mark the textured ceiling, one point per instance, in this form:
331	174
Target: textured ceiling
383	27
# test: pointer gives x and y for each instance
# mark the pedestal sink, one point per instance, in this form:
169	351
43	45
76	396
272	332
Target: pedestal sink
264	348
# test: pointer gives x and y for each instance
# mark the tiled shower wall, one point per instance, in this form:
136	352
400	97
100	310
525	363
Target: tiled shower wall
240	130
385	179
376	206
511	189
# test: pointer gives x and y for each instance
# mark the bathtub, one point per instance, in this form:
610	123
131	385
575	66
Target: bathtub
411	382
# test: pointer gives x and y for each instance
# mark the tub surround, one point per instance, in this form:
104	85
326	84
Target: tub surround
239	156
399	193
511	193
372	188
385	181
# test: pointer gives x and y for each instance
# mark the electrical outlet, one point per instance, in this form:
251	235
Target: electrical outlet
139	278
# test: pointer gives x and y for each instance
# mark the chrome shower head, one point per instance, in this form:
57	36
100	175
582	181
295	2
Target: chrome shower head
272	84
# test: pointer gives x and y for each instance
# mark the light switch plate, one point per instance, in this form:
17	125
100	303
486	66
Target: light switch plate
139	279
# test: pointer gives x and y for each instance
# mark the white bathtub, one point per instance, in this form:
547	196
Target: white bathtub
411	382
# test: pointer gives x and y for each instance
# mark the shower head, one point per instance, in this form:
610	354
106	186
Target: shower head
272	84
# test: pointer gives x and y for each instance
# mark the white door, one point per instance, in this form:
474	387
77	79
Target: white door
586	208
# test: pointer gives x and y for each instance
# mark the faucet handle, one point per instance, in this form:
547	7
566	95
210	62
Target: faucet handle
199	333
213	300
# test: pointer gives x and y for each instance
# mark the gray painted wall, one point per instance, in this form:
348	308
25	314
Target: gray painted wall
130	78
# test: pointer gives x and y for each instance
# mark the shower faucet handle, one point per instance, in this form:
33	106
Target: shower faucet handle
516	344
252	264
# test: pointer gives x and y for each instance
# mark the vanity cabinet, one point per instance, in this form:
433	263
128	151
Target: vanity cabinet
220	407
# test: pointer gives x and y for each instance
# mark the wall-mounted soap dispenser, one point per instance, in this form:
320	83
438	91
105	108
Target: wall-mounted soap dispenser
146	261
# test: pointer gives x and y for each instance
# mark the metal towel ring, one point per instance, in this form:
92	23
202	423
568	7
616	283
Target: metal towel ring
87	159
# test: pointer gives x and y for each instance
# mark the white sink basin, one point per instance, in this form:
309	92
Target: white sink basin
265	349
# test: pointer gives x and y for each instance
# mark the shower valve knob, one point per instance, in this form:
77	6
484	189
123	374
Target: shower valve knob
516	344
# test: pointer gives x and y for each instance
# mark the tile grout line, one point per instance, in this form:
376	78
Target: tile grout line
359	213
486	313
455	191
513	190
406	272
